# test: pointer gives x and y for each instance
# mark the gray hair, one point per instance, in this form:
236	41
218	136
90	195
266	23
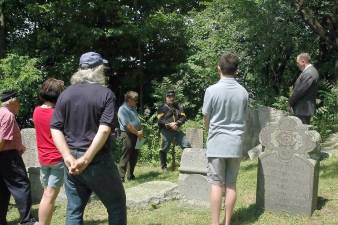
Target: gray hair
91	75
8	102
304	56
130	95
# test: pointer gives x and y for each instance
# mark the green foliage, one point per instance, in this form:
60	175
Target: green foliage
326	118
281	103
150	149
22	74
161	88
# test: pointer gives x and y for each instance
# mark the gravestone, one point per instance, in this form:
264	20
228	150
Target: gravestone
288	169
258	118
193	184
151	194
195	137
30	157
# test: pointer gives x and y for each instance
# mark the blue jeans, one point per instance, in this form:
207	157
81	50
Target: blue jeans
102	178
167	137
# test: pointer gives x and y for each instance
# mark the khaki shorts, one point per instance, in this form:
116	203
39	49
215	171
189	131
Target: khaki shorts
223	171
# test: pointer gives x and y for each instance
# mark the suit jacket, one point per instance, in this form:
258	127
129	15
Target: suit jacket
303	98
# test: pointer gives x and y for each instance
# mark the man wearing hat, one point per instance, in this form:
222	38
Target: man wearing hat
13	175
81	130
170	118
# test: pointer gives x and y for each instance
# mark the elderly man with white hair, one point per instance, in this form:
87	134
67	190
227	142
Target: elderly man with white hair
13	175
81	128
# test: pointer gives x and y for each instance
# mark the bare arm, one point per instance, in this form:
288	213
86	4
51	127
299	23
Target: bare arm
62	146
206	121
2	143
96	145
98	142
133	130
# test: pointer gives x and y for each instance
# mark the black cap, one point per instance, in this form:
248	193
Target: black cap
8	94
170	93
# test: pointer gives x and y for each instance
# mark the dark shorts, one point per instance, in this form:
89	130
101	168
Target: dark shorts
223	171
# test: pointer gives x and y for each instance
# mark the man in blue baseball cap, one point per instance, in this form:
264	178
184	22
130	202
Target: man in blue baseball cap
91	59
81	130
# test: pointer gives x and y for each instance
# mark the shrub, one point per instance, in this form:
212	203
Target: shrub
22	74
326	117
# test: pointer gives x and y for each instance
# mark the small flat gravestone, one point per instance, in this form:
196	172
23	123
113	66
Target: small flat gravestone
151	193
193	184
195	137
288	169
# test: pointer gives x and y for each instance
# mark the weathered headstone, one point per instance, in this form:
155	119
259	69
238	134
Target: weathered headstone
30	157
195	137
151	193
193	185
287	179
258	118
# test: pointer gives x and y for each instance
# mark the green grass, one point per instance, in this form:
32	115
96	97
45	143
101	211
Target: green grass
175	213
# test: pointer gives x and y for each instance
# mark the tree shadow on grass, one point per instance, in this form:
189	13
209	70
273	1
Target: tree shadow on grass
246	215
17	220
328	171
321	202
249	167
96	222
149	176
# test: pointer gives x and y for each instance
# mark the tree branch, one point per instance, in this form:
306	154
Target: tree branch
309	18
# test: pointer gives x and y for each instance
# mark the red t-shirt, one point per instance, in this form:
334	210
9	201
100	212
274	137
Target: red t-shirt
47	152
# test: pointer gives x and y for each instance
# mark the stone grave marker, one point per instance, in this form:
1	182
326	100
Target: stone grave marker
193	185
30	157
151	194
195	137
288	169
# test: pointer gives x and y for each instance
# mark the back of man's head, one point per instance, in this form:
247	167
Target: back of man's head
304	56
228	63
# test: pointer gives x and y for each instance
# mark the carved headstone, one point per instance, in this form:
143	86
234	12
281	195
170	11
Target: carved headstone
193	185
30	156
195	137
288	171
258	118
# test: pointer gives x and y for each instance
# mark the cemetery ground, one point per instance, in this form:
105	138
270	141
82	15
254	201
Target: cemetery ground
178	213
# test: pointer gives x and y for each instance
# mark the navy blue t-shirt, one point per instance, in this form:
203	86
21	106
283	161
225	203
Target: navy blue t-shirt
79	111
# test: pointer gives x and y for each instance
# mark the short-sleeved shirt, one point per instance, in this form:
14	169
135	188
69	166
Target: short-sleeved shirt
47	152
79	112
225	104
128	115
10	131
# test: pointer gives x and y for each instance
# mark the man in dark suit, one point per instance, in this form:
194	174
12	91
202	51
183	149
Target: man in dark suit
303	99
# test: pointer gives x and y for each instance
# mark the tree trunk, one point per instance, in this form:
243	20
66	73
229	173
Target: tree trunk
336	69
2	31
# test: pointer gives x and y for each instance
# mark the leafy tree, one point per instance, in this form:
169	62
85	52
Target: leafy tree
22	74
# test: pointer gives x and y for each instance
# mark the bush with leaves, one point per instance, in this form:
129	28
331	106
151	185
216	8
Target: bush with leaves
21	73
326	117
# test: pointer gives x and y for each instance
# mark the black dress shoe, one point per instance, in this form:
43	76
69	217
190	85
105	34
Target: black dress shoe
131	177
